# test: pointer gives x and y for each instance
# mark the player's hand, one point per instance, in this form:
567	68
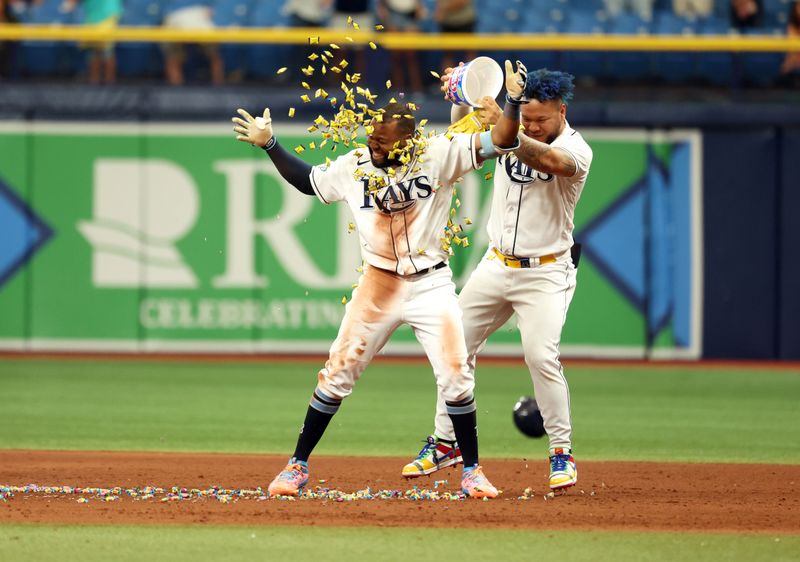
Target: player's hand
516	79
445	78
489	112
255	130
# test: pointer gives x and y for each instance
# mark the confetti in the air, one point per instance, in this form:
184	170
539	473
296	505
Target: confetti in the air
291	112
281	70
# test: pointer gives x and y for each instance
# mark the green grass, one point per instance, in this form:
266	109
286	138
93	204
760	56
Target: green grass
195	544
681	414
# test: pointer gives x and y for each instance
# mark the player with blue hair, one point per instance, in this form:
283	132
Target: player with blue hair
528	268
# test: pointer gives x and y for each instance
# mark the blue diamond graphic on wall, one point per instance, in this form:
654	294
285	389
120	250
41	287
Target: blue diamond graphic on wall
22	233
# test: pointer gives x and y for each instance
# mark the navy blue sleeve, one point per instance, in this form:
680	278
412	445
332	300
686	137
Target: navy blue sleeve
290	167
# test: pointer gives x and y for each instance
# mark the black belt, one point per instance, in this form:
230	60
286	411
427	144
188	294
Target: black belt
439	265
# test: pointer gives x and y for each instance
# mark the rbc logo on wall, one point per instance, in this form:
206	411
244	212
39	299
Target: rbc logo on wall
141	209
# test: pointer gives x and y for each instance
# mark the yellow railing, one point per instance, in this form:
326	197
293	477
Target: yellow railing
416	41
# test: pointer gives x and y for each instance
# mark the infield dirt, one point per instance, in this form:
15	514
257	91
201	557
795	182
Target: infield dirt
634	496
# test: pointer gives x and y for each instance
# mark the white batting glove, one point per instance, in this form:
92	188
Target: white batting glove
255	130
515	80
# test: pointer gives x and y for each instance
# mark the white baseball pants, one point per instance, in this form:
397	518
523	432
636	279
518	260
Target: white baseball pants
540	296
381	303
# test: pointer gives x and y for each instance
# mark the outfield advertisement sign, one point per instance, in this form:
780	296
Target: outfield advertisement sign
175	237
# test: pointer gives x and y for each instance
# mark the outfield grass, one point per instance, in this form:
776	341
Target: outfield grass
637	413
191	544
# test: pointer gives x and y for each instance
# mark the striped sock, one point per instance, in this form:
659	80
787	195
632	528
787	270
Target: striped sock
465	424
320	411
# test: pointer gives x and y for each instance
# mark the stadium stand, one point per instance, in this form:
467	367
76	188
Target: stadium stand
140	60
260	62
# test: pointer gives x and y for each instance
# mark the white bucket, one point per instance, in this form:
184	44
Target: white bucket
476	79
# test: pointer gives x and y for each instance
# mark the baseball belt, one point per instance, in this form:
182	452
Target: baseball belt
518	263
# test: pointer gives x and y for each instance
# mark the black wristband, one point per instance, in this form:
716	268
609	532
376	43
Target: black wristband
514	101
270	144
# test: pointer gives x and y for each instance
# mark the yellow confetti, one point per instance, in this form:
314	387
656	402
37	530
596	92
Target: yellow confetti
323	143
350	227
313	56
379	27
299	149
356	26
336	69
313	40
305	98
324	69
350	39
305	85
360	269
488	176
329	54
320	93
308	71
291	112
423	123
422	252
344	300
311	145
281	70
343	63
349	20
354	285
468	221
324	59
435	74
333	46
392	100
458	203
372	45
465	243
333	102
388	84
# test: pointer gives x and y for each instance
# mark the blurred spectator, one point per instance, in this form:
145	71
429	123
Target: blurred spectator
456	16
642	8
692	9
403	16
305	13
190	14
745	14
358	12
102	14
790	68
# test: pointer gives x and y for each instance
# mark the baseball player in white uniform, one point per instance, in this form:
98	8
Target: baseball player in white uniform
528	268
406	277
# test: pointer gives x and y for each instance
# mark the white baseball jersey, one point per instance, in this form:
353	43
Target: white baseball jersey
400	226
532	212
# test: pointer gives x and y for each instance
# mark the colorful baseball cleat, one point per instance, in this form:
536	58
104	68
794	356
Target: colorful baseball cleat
435	455
474	484
290	480
563	472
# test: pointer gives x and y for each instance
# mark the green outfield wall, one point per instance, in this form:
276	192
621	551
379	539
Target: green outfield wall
175	237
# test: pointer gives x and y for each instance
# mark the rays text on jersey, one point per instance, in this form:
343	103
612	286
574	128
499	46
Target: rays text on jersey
397	197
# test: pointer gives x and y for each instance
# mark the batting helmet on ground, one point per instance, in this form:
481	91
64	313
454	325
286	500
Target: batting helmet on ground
528	418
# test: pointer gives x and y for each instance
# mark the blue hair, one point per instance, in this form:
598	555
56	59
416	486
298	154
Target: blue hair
545	85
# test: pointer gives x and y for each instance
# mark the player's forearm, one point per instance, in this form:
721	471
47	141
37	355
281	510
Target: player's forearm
545	158
290	167
504	133
458	112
